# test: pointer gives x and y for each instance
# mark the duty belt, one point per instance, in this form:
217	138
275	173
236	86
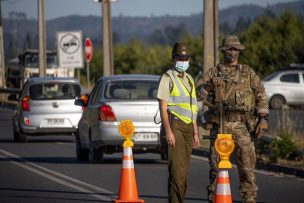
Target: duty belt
233	116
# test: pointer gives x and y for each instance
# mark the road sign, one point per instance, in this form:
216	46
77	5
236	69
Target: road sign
88	49
70	51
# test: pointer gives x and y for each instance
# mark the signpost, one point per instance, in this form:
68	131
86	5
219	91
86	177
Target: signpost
88	56
70	52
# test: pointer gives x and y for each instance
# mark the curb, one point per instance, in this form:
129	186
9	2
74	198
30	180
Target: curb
260	166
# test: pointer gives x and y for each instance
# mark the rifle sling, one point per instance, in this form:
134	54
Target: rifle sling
232	84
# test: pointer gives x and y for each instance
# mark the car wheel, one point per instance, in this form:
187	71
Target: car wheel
277	102
81	154
95	155
22	137
164	155
164	150
16	134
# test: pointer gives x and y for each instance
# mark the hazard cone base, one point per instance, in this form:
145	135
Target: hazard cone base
127	187
222	191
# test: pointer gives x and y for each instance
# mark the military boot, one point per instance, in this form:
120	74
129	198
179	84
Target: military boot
210	196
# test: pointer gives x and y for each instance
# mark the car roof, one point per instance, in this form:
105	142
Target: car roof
51	79
131	77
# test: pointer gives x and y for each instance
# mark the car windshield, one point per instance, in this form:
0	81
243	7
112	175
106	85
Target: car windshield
55	90
135	89
32	61
271	76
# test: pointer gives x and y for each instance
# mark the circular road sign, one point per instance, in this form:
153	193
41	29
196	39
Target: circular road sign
88	49
69	43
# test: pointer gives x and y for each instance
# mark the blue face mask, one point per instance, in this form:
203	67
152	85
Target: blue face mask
181	66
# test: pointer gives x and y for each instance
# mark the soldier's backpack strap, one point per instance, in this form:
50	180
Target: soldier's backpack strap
234	82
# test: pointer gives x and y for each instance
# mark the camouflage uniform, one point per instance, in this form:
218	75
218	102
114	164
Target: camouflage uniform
244	99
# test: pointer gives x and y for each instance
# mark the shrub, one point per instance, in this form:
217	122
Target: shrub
283	146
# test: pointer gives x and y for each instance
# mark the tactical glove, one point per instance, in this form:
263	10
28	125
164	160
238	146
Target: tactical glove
261	128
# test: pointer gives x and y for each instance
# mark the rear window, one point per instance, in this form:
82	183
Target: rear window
50	91
135	89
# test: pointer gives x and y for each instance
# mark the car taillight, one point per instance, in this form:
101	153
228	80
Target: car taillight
25	103
106	113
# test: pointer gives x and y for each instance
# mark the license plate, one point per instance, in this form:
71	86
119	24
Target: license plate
55	121
145	137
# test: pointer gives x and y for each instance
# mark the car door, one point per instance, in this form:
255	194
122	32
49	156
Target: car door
292	88
87	120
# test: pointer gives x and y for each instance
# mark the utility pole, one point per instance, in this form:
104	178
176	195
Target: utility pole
108	63
2	64
210	34
42	46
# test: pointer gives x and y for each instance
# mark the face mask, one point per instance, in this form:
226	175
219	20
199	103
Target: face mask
181	66
231	55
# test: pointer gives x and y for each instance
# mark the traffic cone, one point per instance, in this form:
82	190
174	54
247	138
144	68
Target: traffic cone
222	191
127	187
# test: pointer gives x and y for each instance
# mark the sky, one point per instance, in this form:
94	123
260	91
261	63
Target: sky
59	8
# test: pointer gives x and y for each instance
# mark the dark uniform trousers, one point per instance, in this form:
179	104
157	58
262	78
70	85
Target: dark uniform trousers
245	157
179	159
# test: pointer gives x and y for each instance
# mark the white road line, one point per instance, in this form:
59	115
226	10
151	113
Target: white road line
57	177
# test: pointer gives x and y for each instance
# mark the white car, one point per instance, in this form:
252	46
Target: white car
46	107
113	99
285	87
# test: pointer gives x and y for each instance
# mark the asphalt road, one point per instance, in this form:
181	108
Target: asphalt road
45	170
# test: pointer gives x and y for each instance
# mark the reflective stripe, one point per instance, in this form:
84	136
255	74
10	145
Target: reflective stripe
127	151
127	160
223	173
223	189
181	111
180	99
127	164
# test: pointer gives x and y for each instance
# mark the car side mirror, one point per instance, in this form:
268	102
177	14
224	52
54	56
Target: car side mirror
81	101
12	97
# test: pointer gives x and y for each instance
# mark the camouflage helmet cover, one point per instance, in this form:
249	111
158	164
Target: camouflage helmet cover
231	41
180	50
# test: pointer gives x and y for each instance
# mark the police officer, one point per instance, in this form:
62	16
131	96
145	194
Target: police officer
178	110
237	92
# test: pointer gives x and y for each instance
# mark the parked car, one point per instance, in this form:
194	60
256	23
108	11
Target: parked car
46	106
113	99
285	87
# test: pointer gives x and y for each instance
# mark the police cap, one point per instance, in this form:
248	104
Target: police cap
180	50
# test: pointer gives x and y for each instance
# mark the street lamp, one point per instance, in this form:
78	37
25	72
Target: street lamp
108	62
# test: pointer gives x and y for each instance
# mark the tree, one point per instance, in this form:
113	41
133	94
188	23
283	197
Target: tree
273	42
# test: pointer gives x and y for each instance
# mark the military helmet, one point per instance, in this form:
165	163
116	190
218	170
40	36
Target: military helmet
231	41
180	50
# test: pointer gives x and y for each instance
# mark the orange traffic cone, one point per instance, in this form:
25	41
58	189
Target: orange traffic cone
127	187
222	191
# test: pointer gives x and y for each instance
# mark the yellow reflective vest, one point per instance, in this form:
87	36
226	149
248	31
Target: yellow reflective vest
182	103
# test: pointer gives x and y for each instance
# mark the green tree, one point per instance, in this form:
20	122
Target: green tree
273	42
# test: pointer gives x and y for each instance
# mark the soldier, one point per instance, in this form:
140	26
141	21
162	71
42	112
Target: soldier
238	93
178	111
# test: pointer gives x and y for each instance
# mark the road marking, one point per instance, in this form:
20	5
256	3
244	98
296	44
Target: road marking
58	177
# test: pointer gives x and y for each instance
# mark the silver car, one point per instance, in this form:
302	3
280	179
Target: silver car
46	106
113	99
285	87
